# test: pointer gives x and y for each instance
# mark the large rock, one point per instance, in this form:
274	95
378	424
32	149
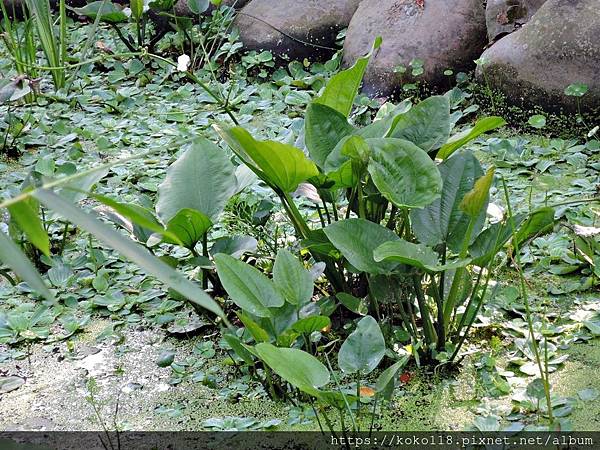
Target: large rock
294	28
559	46
505	16
443	34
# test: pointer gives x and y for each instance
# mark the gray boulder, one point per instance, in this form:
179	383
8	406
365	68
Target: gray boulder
443	34
505	16
559	46
294	28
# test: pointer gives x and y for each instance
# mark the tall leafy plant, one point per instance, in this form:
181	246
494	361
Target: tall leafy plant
52	38
403	237
19	42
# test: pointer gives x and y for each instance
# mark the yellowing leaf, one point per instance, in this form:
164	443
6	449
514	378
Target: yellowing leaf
475	199
367	391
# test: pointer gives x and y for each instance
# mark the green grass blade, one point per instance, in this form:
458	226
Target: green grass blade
42	17
135	252
13	257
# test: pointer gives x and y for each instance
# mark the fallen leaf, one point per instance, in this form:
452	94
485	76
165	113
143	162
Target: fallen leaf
366	391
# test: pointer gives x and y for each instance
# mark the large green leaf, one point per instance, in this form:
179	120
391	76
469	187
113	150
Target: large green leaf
404	173
364	349
108	11
247	286
426	125
443	221
137	8
136	253
356	239
189	226
311	324
385	382
142	218
235	246
539	221
324	129
292	279
13	257
298	368
341	90
282	165
492	239
202	178
415	255
26	215
458	140
382	125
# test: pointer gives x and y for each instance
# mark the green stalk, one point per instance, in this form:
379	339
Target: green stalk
524	292
441	329
205	254
427	326
459	275
373	414
337	383
358	393
63	38
361	201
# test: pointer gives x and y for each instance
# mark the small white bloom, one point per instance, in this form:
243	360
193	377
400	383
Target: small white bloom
183	63
586	231
495	212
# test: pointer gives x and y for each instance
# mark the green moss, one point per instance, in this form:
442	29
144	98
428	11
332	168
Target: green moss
580	371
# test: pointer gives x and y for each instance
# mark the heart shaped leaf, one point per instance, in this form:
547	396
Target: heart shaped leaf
363	350
403	173
356	239
247	286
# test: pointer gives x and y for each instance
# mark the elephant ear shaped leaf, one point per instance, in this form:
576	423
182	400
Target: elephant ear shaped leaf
202	179
297	367
292	279
356	239
364	349
404	173
324	127
443	221
280	165
247	286
426	125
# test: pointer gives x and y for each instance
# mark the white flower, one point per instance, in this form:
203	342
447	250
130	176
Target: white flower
495	212
182	63
586	231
